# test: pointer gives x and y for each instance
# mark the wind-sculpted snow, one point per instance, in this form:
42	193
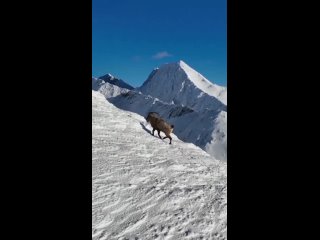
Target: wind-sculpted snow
143	188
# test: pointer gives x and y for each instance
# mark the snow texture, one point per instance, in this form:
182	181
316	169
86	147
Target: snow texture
144	188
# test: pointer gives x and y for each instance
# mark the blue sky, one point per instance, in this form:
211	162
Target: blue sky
132	37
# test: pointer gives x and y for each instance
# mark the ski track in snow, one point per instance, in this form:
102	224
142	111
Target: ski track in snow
144	188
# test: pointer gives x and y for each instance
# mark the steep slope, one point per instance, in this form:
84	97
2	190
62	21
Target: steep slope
182	96
144	188
97	83
180	84
217	146
200	128
115	81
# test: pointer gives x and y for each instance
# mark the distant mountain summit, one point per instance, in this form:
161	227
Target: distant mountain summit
107	89
181	95
115	81
180	84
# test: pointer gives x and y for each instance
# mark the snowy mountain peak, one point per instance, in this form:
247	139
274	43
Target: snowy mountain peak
199	80
179	83
106	88
110	76
181	63
115	81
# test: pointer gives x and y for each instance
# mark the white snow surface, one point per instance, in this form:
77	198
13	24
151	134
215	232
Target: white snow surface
206	129
107	89
204	84
179	83
218	144
144	188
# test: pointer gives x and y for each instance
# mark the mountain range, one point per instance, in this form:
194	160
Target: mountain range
182	96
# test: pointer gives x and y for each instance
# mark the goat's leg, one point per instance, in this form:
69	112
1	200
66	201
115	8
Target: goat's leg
168	137
159	134
153	131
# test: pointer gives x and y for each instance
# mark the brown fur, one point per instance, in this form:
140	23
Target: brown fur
159	124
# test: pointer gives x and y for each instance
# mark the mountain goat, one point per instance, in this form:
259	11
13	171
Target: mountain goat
159	124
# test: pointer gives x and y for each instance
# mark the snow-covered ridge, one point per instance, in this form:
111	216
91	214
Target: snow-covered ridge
115	81
144	188
204	84
177	93
200	128
180	84
107	89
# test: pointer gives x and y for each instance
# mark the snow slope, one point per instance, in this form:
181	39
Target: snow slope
205	129
179	83
107	89
144	188
217	146
184	97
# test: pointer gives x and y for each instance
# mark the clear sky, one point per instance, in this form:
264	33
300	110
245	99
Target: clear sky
132	37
